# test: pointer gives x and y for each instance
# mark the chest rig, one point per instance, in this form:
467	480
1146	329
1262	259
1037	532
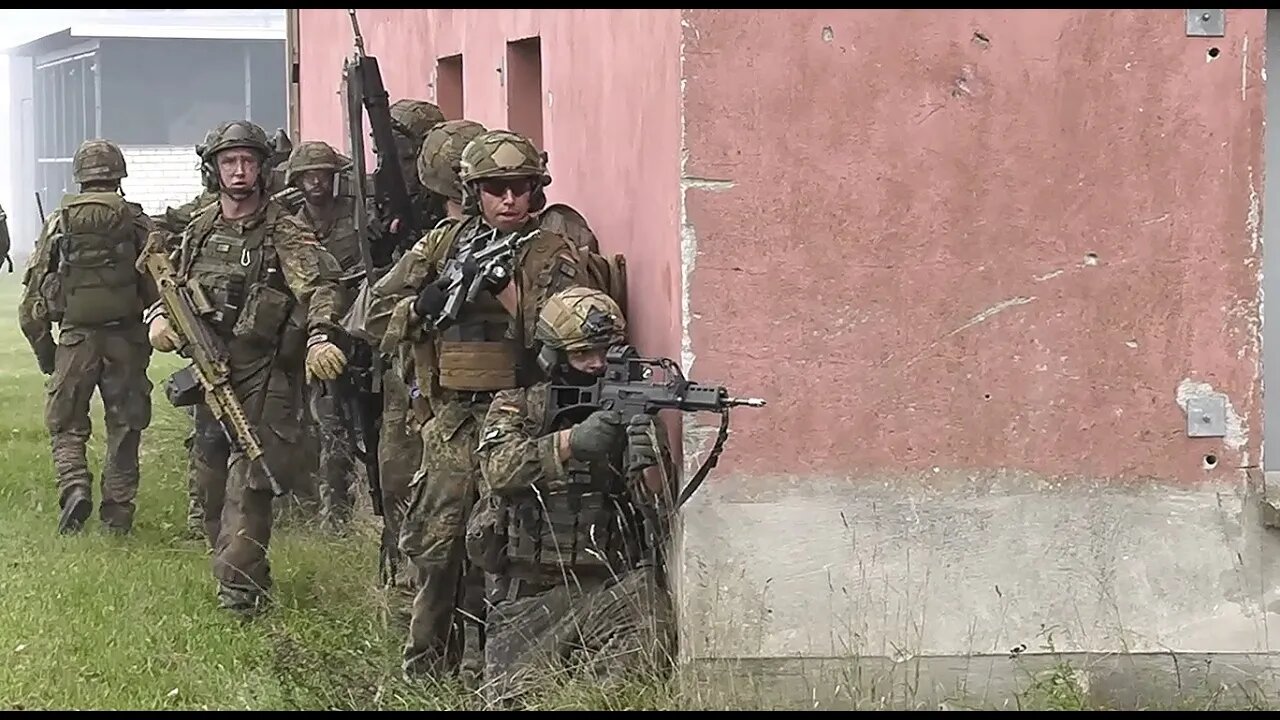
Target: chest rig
589	523
482	351
338	235
237	268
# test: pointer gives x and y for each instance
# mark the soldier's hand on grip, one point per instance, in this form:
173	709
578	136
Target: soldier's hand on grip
430	302
161	335
597	436
641	452
325	361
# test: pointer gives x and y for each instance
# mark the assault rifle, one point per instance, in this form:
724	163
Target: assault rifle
390	192
469	271
186	304
626	386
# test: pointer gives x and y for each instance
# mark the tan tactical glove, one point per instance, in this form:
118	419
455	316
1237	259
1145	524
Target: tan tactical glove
161	335
325	361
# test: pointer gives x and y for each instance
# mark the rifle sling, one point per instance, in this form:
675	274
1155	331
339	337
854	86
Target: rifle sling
707	464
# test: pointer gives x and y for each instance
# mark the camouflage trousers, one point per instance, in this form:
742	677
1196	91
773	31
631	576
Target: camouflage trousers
399	456
441	639
238	510
208	452
114	362
336	473
607	628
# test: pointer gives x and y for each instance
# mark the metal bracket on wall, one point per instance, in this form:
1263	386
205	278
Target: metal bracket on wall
1206	23
1207	416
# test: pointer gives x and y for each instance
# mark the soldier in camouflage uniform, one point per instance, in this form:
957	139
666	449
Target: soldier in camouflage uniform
411	120
405	408
459	368
206	444
82	276
563	528
5	246
257	263
399	450
313	168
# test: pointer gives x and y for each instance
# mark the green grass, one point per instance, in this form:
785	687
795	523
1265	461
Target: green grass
101	622
95	621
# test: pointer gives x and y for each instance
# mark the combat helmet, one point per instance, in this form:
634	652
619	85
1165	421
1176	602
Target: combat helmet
414	119
98	161
502	154
236	134
578	319
311	155
442	152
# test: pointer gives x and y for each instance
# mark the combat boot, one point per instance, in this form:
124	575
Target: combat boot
76	507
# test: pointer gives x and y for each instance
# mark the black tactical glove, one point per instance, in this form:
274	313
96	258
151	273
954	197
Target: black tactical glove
430	302
641	453
597	436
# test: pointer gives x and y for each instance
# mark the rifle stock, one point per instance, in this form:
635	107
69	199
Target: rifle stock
210	360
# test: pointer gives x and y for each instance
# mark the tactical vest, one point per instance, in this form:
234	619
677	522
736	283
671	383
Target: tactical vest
590	524
97	247
338	237
241	276
484	350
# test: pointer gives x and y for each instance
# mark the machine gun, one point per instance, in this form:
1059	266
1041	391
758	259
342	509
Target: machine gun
626	386
390	192
469	271
210	360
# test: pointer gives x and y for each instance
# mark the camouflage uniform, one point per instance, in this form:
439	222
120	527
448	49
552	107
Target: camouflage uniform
257	271
405	408
206	444
564	529
458	370
334	227
82	276
399	445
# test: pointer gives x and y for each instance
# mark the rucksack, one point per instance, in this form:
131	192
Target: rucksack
607	273
97	248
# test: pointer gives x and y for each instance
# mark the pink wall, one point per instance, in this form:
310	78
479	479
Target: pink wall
904	260
610	116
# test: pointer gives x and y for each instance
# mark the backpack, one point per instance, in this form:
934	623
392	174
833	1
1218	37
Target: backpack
606	273
97	248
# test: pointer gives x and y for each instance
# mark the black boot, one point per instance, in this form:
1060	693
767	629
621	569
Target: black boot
76	508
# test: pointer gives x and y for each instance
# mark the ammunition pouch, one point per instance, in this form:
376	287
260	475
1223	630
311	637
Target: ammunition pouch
477	366
486	535
183	389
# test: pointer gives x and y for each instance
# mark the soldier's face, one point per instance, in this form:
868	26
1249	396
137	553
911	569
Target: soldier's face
317	186
591	362
505	202
238	168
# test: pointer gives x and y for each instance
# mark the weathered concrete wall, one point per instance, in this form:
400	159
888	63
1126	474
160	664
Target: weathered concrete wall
976	261
612	136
